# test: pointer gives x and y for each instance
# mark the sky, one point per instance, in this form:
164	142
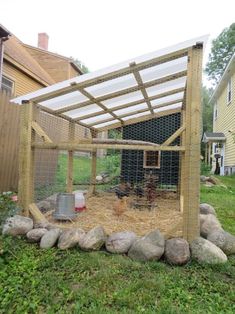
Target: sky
105	32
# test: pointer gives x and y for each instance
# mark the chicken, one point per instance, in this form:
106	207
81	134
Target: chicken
120	206
139	191
123	189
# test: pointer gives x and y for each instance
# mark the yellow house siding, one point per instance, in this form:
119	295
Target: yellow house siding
23	84
226	121
57	67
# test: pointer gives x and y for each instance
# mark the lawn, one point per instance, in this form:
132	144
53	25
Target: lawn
53	281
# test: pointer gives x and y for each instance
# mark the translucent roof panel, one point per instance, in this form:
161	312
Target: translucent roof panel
109	96
166	87
83	111
175	106
166	99
131	109
112	86
64	100
102	125
98	118
122	100
136	115
164	69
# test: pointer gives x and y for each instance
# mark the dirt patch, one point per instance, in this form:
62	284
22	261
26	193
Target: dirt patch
100	211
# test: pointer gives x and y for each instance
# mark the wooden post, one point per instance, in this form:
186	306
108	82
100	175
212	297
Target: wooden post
26	157
191	188
93	167
182	163
69	188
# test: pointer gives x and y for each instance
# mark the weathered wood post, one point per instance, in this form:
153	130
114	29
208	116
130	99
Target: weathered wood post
191	185
26	156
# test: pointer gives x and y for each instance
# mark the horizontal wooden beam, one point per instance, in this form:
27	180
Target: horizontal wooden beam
112	75
133	103
79	147
124	91
140	119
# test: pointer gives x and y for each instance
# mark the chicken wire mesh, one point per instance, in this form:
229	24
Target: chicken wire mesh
144	174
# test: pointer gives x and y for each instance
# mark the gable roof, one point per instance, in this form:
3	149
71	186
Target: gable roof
230	68
56	55
13	48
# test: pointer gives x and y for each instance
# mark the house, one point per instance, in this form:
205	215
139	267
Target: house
220	143
24	69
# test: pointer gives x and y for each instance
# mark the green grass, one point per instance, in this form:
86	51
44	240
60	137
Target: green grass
53	281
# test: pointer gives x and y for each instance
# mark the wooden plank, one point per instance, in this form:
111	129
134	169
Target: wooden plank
174	136
126	91
37	128
36	214
134	103
140	119
141	84
78	146
26	158
69	187
191	187
102	78
181	165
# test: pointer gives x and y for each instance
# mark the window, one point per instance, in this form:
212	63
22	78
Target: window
151	159
7	85
229	91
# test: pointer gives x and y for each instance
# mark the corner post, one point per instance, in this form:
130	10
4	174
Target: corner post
26	156
191	189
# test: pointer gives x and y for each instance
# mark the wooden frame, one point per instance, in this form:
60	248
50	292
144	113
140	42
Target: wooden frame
189	131
146	152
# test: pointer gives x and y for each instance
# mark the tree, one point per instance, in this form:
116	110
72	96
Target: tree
223	47
207	110
81	65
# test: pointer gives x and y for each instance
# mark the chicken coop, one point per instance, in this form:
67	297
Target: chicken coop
128	136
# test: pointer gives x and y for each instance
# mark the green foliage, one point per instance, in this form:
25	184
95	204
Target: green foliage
81	65
223	47
55	281
7	206
111	164
205	169
207	110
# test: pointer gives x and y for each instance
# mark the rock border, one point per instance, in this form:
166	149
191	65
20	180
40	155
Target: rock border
212	247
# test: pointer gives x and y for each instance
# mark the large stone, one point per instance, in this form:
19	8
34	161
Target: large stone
224	240
148	248
70	238
205	251
177	251
35	235
93	240
50	238
206	209
17	225
120	242
210	224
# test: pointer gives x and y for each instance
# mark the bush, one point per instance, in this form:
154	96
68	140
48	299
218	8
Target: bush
8	206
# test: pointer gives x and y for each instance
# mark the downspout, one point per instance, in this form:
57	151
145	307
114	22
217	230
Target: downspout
1	57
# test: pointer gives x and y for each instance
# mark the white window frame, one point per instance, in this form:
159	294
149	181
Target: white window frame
229	91
158	165
6	87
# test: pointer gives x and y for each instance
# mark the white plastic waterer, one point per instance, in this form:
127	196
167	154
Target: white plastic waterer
80	203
